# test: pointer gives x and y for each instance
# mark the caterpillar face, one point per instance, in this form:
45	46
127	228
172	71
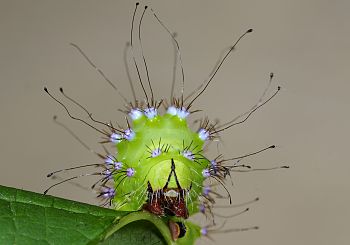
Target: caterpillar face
163	168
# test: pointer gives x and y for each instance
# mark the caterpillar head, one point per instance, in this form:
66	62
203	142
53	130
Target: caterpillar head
163	165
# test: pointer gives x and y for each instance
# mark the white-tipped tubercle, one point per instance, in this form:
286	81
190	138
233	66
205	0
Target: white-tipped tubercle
151	112
206	173
115	138
109	160
129	134
135	114
203	134
172	110
182	113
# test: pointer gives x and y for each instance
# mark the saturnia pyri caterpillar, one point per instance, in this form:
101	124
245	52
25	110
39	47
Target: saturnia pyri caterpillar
160	164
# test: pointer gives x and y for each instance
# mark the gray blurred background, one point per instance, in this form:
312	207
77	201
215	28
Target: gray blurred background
306	44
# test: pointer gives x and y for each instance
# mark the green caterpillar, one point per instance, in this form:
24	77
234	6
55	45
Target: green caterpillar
160	165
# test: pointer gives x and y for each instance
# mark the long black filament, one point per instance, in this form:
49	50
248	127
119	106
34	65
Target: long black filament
249	114
133	56
87	112
75	136
218	67
98	70
179	54
75	118
127	69
143	56
249	154
174	70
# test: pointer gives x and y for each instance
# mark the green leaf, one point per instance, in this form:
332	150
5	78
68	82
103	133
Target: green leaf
32	218
140	232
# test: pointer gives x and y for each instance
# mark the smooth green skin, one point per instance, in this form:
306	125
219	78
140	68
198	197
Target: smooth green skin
32	218
132	191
